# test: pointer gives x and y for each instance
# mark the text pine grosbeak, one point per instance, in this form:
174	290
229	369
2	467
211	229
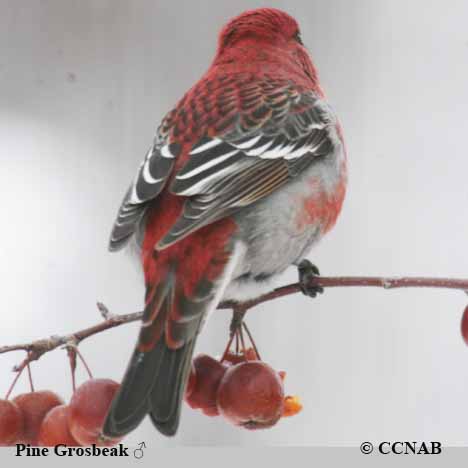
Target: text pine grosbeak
245	175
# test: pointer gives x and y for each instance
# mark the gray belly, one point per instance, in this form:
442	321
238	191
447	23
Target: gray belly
271	230
272	240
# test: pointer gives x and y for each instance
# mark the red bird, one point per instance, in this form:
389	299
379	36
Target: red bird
245	175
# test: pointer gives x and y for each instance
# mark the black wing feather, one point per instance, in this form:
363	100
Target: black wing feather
150	180
218	180
277	133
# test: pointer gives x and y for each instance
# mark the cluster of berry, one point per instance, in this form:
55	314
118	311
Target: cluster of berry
42	418
240	387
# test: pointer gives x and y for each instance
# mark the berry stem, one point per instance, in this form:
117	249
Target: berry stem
82	359
246	328
241	334
30	376
71	351
17	376
228	347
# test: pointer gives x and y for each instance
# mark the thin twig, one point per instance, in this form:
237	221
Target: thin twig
106	315
355	281
37	348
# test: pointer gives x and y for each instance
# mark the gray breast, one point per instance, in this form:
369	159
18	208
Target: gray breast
270	228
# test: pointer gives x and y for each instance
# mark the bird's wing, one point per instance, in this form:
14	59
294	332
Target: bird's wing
256	135
151	178
276	135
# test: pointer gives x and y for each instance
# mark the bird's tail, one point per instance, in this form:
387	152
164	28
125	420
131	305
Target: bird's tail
156	376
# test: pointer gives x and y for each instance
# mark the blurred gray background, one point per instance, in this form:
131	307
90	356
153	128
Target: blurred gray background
83	86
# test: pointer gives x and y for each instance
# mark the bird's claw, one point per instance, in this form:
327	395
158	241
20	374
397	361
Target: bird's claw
308	270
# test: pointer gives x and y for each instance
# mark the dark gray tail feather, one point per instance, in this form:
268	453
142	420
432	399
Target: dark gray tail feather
154	383
168	391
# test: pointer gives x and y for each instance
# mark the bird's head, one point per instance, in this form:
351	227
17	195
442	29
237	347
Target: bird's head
262	25
265	28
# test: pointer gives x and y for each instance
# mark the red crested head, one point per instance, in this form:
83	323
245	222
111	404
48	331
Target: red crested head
262	25
264	34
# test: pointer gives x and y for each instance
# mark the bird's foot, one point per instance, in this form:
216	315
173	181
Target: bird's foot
307	270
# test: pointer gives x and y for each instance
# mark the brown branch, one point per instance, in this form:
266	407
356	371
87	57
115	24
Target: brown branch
36	349
355	281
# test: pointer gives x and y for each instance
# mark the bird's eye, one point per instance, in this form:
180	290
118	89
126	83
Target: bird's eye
298	38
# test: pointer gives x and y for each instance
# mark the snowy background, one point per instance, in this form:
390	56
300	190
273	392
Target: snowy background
83	86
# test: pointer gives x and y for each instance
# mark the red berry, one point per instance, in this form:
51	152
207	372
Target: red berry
35	406
251	395
251	355
11	423
88	410
206	375
464	325
54	429
233	358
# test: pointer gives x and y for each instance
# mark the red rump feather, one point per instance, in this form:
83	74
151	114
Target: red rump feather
193	260
197	260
